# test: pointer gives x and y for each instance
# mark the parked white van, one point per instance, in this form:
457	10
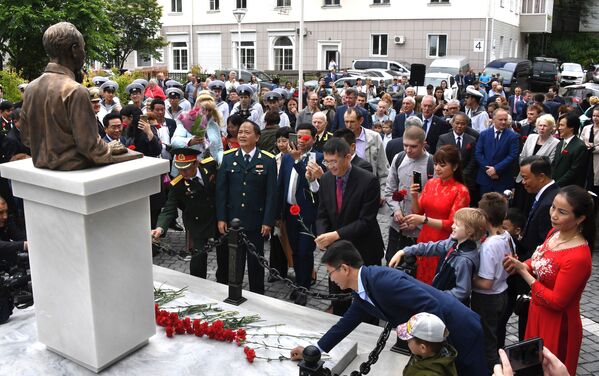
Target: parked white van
402	67
449	64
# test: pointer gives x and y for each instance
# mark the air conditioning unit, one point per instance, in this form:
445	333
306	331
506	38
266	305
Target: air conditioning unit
399	39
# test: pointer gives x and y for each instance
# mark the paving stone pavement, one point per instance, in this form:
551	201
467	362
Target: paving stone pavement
589	355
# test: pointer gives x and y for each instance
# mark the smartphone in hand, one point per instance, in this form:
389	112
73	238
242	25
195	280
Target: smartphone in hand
293	138
417	179
525	354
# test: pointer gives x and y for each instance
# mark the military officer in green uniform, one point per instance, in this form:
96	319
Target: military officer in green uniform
194	192
246	188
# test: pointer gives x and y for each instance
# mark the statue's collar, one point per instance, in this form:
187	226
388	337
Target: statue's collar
60	69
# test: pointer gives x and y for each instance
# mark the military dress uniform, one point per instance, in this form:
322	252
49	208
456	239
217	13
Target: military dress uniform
196	198
247	189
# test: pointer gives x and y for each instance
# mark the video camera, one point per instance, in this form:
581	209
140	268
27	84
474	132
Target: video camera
15	286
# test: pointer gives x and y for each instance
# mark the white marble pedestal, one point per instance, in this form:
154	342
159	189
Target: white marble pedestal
90	256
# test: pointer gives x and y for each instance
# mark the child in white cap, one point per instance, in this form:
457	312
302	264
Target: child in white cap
431	354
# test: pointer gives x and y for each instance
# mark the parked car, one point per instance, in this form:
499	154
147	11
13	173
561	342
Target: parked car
544	73
450	64
402	67
575	94
570	74
592	74
513	72
264	80
435	79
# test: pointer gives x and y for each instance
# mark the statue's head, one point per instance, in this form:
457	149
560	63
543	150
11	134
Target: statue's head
65	44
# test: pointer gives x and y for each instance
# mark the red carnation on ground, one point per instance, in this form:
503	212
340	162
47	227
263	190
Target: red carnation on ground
132	147
294	210
169	331
250	354
400	195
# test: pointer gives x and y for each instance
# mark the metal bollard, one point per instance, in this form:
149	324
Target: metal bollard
236	266
311	365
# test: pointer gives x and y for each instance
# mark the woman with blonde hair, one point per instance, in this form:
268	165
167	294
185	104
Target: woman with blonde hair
390	110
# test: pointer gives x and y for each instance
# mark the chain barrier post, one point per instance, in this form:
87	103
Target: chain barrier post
236	267
311	365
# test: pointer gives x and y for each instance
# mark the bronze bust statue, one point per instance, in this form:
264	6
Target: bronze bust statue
57	119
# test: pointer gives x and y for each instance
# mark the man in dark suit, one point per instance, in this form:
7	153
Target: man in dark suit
12	144
351	98
113	126
393	296
571	154
194	191
350	138
246	188
407	109
536	179
349	202
466	144
294	189
516	103
496	154
434	126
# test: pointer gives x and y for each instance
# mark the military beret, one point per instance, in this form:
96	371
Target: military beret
109	85
134	87
174	92
173	83
272	96
244	90
470	90
283	92
184	157
94	94
216	84
99	80
142	82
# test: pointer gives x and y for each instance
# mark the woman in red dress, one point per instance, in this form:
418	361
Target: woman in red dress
434	209
557	274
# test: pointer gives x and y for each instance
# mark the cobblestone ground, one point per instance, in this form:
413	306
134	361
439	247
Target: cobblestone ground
589	355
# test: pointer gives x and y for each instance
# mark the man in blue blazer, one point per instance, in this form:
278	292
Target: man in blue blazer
351	97
393	296
496	154
294	189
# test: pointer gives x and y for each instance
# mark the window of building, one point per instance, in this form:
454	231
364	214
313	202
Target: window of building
501	3
378	45
283	52
380	2
248	55
179	56
437	45
242	4
439	1
214	5
283	3
533	6
329	3
143	60
176	6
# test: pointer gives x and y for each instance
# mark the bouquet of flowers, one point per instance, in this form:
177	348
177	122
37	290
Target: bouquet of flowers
194	121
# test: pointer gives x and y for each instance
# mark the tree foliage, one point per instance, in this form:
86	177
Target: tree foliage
137	25
23	22
582	48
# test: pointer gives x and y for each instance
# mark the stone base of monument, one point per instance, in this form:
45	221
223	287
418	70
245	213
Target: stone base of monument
90	256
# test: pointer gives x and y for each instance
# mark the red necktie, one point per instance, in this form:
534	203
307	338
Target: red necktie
339	194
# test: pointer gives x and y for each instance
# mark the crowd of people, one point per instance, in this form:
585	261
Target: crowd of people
489	192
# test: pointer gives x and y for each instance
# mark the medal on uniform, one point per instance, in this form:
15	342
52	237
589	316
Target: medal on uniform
234	163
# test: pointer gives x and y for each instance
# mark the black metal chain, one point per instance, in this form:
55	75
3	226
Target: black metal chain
274	273
373	357
186	255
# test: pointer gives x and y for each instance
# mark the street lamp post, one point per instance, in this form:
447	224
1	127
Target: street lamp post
239	14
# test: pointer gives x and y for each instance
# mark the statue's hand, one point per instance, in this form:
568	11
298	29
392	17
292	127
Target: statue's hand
116	147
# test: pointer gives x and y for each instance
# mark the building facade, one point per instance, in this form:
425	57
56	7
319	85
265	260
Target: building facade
205	33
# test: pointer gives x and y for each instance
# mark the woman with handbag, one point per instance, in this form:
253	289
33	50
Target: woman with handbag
558	272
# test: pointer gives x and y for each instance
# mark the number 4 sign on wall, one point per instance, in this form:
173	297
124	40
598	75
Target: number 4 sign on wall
479	45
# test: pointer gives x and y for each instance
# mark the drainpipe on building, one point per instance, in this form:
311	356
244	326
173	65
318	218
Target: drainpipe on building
300	66
487	34
191	56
